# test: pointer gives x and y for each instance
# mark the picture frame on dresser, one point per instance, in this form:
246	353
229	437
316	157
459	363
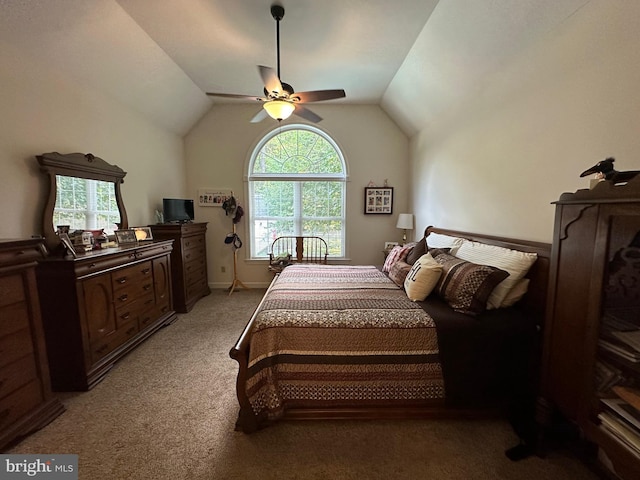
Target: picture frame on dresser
126	236
143	234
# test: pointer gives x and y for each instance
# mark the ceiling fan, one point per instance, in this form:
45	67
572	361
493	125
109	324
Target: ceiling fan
280	100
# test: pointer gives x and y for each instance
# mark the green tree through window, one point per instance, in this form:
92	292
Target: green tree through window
297	179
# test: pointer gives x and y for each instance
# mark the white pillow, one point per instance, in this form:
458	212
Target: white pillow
438	240
515	262
422	278
516	293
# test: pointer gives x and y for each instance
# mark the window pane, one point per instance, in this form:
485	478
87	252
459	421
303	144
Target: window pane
301	207
298	151
273	199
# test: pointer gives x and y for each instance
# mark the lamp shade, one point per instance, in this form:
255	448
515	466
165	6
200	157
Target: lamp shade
279	109
405	220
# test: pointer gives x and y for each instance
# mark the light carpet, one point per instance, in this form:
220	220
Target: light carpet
168	409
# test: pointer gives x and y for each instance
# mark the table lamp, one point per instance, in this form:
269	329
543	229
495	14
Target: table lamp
405	221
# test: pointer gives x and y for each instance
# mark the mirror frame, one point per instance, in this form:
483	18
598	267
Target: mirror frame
78	165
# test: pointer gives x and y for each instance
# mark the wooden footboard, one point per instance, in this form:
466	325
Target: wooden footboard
535	304
247	421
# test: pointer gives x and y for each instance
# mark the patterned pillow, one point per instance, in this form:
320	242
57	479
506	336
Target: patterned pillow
399	272
397	253
514	262
422	278
466	286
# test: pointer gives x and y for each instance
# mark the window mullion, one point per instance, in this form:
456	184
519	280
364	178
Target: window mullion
297	208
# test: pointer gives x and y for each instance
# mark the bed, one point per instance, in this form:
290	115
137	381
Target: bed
347	342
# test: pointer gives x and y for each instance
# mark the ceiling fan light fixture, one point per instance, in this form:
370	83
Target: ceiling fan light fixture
279	109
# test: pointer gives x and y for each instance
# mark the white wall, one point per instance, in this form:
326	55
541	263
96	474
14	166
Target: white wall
218	149
495	164
44	111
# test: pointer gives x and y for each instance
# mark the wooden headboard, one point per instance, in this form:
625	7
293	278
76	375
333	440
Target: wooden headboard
535	300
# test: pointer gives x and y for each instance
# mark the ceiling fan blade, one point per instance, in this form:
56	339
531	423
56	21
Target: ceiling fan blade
307	114
260	116
319	95
233	95
270	79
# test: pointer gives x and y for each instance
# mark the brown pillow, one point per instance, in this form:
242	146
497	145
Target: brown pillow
466	286
399	272
417	251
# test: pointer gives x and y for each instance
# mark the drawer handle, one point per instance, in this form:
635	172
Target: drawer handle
102	348
121	280
146	270
147	287
125	316
164	309
149	302
123	298
146	320
21	252
92	265
131	330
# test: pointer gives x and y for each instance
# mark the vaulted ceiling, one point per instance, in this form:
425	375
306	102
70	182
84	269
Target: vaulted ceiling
416	58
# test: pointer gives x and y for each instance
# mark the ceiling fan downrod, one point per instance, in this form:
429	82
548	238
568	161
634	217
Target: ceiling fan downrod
277	12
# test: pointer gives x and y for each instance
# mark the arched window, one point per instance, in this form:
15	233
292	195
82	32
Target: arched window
297	178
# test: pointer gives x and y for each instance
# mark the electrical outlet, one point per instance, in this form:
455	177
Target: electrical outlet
223	269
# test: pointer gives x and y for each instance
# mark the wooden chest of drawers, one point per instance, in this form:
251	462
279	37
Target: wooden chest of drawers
26	402
101	305
188	261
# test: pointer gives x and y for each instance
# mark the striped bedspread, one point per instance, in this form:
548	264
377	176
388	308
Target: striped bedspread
340	336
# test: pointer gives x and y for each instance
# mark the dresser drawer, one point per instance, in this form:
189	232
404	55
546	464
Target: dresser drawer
131	311
16	374
19	403
11	289
100	263
131	276
194	271
14	346
193	241
196	252
108	344
197	288
13	318
20	254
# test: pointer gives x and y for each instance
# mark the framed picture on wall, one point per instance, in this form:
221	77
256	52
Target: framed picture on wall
378	200
213	197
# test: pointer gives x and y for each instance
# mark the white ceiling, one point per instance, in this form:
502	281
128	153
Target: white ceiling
159	57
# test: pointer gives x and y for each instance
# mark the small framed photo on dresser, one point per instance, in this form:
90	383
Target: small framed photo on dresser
143	234
378	200
126	236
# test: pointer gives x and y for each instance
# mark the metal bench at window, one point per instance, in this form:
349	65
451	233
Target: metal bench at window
287	250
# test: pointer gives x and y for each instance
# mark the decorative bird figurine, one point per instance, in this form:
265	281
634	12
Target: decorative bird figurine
605	168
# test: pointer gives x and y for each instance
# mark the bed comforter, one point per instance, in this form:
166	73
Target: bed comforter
336	336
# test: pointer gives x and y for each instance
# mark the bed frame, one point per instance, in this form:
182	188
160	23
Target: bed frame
534	303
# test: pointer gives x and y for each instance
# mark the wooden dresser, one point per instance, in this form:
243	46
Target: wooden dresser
26	402
99	306
188	261
594	300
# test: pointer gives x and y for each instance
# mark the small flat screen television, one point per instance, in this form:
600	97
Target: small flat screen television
177	210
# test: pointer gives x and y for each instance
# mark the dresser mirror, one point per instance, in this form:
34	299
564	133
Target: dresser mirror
84	194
